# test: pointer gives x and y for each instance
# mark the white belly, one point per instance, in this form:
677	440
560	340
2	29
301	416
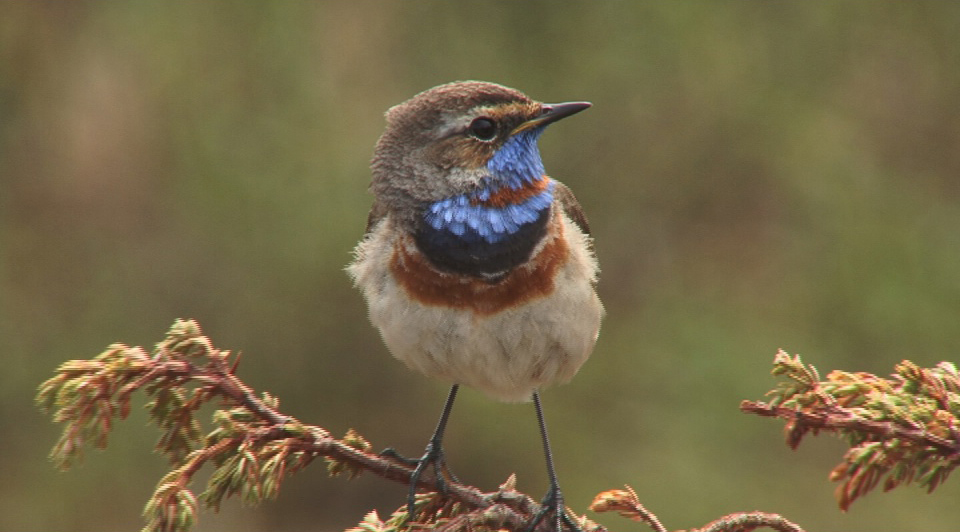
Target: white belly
507	354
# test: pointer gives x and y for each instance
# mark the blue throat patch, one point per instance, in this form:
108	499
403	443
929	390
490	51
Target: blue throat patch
466	235
515	165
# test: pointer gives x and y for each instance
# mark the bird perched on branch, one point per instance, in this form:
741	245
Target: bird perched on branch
477	267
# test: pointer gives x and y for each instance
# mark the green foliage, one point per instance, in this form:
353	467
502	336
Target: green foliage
900	429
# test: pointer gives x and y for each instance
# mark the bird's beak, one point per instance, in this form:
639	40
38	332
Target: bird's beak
551	112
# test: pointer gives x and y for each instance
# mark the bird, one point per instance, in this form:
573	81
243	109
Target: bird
477	267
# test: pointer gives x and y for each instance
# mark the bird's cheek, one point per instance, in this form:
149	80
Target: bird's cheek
460	152
463	180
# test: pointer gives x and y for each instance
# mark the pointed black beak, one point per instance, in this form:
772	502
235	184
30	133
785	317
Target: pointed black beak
552	112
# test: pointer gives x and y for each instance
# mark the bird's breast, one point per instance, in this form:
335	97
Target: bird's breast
487	233
534	327
534	278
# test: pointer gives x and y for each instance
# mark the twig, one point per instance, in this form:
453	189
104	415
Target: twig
626	503
835	418
900	429
748	521
254	445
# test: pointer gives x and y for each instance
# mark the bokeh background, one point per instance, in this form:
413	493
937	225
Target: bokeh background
758	175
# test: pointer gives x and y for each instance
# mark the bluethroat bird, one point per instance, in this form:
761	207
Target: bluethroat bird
477	267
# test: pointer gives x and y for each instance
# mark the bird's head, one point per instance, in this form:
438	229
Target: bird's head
458	140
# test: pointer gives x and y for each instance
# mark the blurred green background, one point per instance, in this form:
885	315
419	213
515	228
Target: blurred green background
758	175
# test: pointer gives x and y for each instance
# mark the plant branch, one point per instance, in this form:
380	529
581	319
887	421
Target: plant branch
253	446
835	419
900	429
749	521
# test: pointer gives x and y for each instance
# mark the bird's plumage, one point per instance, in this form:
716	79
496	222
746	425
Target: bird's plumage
477	267
534	327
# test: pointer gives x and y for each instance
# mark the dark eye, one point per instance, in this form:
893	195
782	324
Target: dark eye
483	128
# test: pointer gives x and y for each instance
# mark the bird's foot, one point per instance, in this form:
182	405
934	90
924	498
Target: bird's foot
553	503
392	453
432	455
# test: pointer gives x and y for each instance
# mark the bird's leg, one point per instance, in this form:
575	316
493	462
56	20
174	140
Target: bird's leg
433	454
553	500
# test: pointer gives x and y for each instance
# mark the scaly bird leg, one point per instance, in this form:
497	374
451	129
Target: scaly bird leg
553	501
433	454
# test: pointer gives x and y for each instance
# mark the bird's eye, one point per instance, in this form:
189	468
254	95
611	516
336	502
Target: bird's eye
483	128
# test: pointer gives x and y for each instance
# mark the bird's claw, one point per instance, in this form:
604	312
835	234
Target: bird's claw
432	455
392	453
553	503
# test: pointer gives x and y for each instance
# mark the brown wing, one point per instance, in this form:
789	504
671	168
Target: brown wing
571	207
377	212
